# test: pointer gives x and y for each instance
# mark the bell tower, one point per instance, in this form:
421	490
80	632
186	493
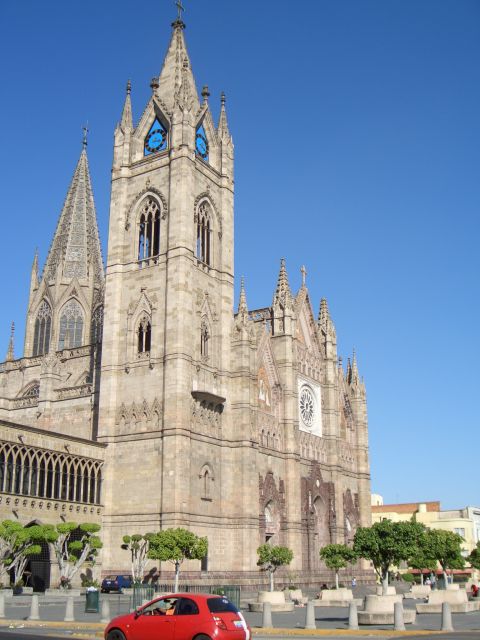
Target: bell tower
168	302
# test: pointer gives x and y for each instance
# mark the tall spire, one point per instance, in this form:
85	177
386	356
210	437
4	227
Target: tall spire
283	294
223	130
176	81
126	123
11	348
76	247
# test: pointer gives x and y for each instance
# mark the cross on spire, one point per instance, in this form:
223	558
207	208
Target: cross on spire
180	8
85	135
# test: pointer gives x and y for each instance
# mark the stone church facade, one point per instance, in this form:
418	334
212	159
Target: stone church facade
143	401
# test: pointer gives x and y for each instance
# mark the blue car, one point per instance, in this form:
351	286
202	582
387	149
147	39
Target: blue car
116	583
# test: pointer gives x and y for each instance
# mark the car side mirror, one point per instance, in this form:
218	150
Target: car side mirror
138	612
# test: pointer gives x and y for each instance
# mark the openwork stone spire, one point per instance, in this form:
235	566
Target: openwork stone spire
283	294
176	79
75	249
323	315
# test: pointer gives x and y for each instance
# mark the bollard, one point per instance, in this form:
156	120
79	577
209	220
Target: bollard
398	622
34	613
2	605
352	616
105	610
446	617
69	612
267	616
310	616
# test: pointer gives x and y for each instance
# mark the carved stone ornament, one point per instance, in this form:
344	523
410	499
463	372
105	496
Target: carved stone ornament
135	201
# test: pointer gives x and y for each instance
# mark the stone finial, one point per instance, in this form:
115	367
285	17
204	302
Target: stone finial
303	271
223	98
129	86
11	348
154	84
85	135
205	93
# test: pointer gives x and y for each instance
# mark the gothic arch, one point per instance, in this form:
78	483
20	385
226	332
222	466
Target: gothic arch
206	478
272	509
71	325
206	196
134	206
42	331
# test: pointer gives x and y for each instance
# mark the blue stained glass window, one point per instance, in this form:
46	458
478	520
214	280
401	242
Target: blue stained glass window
201	144
156	140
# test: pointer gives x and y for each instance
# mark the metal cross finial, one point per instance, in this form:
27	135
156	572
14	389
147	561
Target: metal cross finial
180	8
304	275
85	135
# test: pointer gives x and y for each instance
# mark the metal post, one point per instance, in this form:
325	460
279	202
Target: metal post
267	616
352	616
34	612
398	622
310	616
69	612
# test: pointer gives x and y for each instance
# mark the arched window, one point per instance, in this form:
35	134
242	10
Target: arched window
206	477
97	325
144	335
204	232
33	391
43	325
149	230
204	339
71	326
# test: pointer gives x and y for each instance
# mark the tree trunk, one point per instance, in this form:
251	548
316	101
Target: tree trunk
271	580
177	573
385	583
336	580
421	577
445	579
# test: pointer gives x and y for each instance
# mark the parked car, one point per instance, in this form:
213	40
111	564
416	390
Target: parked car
116	583
181	616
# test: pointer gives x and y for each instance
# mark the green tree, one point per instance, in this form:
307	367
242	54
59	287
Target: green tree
176	546
423	557
474	557
71	553
17	543
139	546
270	558
446	548
336	557
387	543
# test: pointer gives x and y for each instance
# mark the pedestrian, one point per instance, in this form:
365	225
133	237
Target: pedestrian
354	583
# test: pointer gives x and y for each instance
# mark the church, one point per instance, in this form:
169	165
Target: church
148	398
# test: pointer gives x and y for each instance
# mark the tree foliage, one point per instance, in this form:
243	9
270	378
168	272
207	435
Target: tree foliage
176	546
337	556
17	543
72	553
387	543
474	557
271	557
138	545
446	548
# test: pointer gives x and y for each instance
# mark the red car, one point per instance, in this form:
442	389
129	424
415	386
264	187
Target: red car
181	616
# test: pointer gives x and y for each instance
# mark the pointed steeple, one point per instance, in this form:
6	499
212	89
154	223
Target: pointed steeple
11	348
75	249
176	82
283	294
242	303
355	376
348	373
34	273
223	130
126	123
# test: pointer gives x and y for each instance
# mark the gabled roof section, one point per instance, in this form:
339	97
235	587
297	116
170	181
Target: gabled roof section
176	76
76	245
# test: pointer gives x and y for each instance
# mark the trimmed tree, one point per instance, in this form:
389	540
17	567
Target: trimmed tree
336	557
17	543
138	545
423	556
176	546
73	550
270	558
474	557
387	543
446	548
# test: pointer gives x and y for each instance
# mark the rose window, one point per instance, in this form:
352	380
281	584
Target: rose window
307	406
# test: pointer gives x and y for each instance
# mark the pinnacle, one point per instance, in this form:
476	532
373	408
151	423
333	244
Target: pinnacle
223	130
242	304
283	294
126	123
11	348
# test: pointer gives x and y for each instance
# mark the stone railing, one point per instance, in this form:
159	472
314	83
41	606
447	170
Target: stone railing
23	403
79	391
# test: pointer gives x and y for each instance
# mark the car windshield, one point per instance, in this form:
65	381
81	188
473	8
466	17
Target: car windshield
110	578
220	605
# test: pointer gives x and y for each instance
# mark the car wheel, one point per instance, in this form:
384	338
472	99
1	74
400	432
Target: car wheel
115	634
202	636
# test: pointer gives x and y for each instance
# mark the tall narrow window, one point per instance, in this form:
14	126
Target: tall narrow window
149	230
43	325
204	339
204	231
144	336
71	326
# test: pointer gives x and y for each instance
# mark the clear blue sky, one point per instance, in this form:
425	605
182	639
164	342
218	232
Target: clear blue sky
356	125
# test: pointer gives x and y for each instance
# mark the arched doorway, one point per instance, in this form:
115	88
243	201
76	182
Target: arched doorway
37	571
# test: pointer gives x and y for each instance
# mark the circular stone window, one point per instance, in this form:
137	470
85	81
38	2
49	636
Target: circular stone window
307	406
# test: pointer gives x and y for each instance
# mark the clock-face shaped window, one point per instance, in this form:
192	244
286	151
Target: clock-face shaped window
201	144
156	140
307	406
